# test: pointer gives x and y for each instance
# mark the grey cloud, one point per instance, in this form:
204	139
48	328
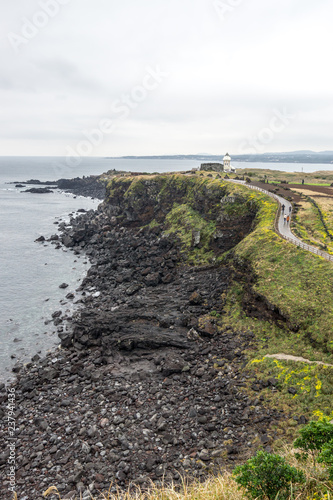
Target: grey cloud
67	74
225	76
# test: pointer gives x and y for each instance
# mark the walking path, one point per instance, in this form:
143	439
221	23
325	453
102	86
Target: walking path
295	358
283	228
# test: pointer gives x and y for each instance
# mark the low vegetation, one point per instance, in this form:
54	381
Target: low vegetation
302	390
321	178
314	221
265	476
314	440
296	286
296	282
185	222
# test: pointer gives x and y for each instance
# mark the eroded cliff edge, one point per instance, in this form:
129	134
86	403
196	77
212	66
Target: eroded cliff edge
148	384
144	241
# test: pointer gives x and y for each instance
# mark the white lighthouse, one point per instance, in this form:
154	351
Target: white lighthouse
226	164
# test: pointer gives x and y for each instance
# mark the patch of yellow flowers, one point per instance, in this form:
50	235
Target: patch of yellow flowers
303	378
321	415
320	496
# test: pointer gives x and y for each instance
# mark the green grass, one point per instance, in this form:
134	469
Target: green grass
298	283
308	226
321	178
314	184
313	383
325	184
183	221
299	286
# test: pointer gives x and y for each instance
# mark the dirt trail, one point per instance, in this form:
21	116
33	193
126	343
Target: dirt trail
289	357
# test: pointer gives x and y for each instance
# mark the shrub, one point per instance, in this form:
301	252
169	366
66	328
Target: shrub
326	457
313	437
266	475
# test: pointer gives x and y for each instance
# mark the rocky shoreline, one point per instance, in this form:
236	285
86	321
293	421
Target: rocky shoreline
146	385
92	186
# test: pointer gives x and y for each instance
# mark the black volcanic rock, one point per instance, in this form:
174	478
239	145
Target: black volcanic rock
92	186
38	190
40	239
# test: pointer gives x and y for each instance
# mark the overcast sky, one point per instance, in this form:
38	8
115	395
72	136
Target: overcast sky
144	77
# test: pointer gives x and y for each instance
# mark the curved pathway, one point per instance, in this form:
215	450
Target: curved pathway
283	228
295	358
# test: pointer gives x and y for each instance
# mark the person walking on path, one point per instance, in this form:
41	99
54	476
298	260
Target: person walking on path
285	232
283	207
290	209
288	219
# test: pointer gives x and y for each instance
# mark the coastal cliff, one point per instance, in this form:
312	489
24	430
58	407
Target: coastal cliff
155	378
144	240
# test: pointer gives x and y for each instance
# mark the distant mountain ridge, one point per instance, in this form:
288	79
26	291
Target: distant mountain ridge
288	157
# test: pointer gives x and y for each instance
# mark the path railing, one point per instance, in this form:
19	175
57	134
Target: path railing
293	240
307	247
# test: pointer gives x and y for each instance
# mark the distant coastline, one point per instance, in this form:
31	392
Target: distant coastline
325	157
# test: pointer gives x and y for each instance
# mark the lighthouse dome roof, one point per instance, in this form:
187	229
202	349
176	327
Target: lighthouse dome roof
227	157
